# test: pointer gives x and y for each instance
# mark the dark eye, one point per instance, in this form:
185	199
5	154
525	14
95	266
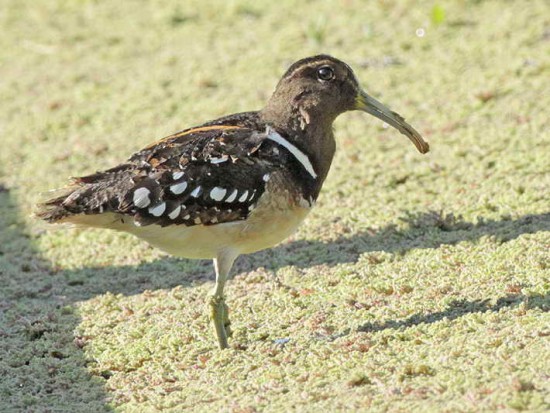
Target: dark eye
325	73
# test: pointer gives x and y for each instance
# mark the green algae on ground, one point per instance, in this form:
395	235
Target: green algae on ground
418	283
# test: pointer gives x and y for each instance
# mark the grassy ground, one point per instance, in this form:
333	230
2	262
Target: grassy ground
419	283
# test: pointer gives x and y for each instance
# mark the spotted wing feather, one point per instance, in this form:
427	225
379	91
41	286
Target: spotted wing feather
205	176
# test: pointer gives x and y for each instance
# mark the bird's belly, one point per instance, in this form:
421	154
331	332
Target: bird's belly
275	218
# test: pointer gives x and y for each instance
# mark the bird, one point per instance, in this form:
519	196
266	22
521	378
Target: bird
231	186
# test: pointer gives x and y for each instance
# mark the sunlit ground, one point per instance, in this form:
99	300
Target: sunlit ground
419	283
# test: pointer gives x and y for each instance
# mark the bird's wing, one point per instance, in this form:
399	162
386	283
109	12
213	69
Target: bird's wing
201	176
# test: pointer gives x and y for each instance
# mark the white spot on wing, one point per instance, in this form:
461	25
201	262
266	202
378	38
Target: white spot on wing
266	177
233	196
177	175
141	197
175	213
221	159
243	196
158	210
217	193
196	192
297	153
177	189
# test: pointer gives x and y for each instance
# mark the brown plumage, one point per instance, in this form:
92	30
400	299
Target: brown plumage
231	186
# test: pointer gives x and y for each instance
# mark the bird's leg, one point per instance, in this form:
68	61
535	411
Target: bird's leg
220	312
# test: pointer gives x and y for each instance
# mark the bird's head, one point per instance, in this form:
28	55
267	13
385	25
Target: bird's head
319	88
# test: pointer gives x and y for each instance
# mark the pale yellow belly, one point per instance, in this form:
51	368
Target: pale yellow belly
243	237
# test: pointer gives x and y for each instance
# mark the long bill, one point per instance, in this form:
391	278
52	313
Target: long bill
370	105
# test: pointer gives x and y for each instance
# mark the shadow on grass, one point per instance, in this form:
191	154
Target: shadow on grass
422	231
42	368
459	309
42	365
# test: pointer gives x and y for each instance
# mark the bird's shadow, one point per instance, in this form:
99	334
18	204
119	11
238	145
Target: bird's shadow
422	230
460	308
41	358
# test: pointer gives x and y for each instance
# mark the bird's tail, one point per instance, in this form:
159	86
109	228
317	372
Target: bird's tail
54	206
85	197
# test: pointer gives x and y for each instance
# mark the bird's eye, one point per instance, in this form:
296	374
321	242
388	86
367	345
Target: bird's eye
325	73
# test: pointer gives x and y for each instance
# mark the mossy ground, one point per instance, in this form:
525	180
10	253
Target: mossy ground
419	283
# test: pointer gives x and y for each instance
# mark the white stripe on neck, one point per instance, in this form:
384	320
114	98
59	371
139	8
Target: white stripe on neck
298	154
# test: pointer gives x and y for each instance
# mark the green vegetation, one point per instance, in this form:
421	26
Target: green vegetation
419	283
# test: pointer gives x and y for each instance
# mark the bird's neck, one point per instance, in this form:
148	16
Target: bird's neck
310	133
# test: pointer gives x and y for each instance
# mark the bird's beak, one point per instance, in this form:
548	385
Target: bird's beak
370	105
